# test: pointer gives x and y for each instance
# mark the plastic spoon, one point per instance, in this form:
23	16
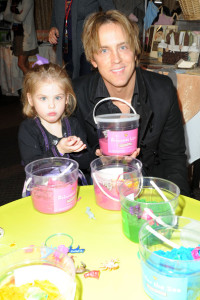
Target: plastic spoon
157	219
161	193
161	237
66	170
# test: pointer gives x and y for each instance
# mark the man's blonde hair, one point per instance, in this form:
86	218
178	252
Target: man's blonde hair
90	35
47	72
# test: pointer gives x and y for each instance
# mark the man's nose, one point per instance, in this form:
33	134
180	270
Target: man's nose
116	57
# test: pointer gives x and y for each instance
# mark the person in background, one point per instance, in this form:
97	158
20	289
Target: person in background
49	130
21	15
126	7
133	9
66	28
112	46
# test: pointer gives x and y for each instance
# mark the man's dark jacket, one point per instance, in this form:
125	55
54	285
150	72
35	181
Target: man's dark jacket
161	134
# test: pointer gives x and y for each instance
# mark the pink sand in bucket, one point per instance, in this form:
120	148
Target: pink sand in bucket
107	195
106	203
118	133
55	197
119	142
53	184
107	174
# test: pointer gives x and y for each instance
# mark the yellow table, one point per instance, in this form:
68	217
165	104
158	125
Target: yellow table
102	239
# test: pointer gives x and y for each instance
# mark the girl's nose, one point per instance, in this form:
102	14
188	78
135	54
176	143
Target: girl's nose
51	103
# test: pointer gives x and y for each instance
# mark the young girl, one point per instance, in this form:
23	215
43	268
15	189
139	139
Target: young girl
50	130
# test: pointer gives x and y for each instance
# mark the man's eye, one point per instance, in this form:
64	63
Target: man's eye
103	50
123	47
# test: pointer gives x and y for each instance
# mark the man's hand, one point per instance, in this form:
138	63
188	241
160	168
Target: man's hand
53	35
133	18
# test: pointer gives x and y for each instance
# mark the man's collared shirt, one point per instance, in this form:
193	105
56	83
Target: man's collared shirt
102	92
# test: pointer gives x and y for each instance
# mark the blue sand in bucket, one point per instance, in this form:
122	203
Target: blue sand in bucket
170	272
176	275
182	253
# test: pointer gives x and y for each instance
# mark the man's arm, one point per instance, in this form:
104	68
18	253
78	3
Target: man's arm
106	4
172	147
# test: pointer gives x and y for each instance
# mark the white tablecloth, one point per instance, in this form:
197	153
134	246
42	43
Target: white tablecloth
192	138
11	76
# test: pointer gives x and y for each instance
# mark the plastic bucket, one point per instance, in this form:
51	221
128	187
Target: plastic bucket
53	184
33	266
171	274
107	173
133	209
118	133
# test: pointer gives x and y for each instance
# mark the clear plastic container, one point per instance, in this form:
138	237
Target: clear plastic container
165	278
118	133
53	184
31	264
193	53
107	173
134	203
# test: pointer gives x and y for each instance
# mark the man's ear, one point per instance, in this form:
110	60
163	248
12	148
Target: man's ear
93	62
30	101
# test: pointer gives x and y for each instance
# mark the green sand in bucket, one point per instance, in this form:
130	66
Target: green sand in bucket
134	216
133	210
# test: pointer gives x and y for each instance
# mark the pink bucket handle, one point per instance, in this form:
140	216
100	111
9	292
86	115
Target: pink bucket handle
112	98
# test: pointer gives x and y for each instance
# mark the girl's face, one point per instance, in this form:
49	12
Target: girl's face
49	101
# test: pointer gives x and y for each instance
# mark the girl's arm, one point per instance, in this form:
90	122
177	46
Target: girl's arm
31	143
84	157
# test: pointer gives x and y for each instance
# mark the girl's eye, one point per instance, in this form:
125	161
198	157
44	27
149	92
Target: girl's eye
43	98
59	97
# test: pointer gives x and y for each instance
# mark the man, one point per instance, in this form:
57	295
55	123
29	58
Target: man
111	45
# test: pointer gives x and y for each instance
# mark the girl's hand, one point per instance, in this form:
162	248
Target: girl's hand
70	144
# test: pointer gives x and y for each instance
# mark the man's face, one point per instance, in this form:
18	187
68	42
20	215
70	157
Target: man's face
114	60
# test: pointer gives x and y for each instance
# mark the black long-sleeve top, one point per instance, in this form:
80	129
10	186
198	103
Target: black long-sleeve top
35	142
